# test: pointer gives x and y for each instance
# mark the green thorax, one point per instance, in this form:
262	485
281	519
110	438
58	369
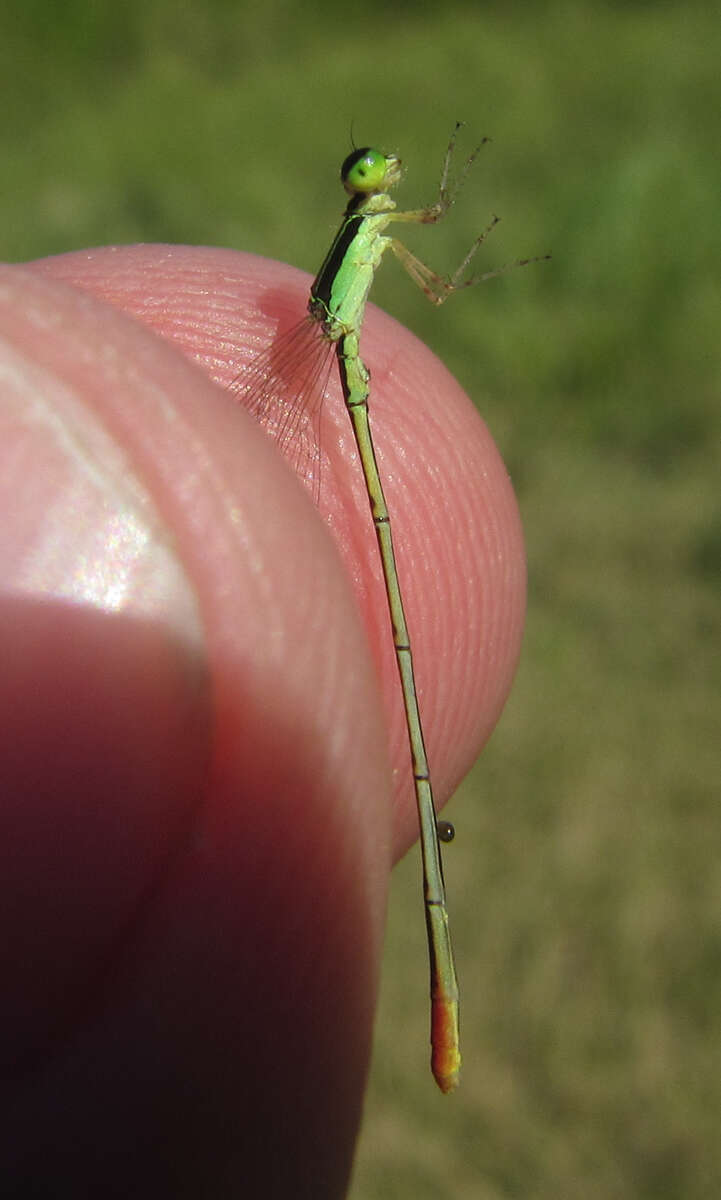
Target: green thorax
340	289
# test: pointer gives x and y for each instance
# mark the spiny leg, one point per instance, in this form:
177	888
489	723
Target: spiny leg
446	194
439	287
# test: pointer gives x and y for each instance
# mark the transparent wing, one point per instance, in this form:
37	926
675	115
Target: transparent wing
284	388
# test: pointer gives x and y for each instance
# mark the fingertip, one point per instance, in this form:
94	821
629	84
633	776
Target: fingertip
456	525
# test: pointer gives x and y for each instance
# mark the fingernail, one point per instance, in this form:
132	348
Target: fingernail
78	523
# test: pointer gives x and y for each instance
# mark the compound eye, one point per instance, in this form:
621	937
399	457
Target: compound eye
364	171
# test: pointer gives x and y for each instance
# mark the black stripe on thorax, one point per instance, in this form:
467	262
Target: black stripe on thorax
346	235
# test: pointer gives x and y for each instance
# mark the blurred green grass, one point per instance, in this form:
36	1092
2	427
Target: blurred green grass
586	880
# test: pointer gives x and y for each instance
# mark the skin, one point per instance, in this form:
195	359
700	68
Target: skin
201	802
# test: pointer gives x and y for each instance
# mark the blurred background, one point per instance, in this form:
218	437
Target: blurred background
585	882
